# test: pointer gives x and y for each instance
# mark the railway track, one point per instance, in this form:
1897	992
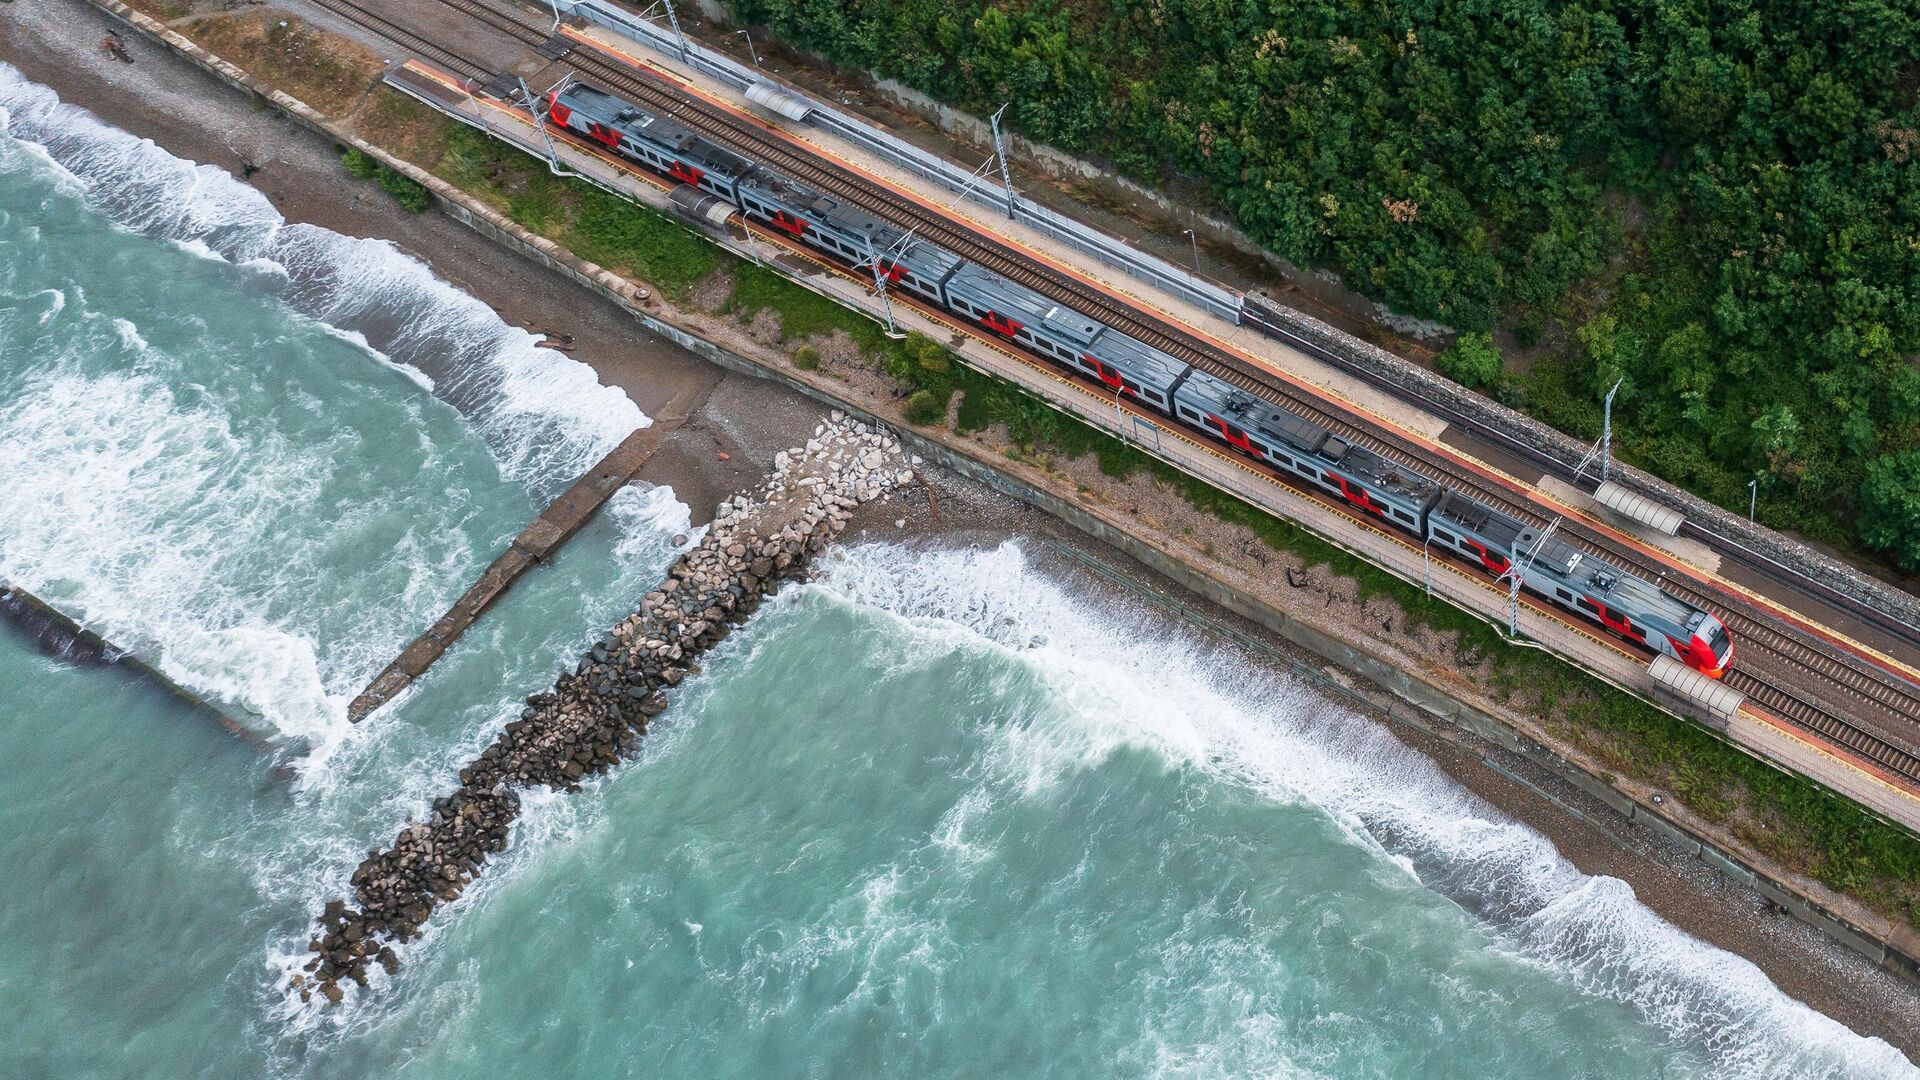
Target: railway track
403	37
1895	759
1890	703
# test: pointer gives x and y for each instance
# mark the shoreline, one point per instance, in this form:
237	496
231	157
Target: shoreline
713	408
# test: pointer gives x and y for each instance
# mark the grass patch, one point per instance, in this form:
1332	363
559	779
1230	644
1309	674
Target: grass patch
162	9
624	237
627	238
409	193
803	312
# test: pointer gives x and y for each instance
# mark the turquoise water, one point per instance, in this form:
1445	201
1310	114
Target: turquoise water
943	813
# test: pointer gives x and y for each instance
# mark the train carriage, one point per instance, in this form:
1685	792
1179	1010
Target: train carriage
818	220
1474	530
648	138
919	268
1387	490
1629	606
1255	427
1073	341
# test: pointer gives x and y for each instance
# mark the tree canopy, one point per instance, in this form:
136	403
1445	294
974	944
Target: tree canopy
1717	201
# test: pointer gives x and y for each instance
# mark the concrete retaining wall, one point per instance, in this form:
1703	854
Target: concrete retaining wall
85	646
1413	699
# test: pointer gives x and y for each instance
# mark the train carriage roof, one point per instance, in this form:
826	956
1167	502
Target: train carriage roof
822	210
1026	306
926	261
623	115
1261	416
1593	577
1632	592
1136	358
1370	468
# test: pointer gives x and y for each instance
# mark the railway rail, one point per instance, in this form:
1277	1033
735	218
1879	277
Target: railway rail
1771	659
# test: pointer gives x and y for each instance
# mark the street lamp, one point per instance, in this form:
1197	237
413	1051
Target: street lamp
1753	497
1195	241
751	51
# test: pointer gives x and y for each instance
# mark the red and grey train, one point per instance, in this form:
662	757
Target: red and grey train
1628	606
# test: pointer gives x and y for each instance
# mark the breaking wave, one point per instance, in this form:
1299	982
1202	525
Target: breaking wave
1129	682
545	416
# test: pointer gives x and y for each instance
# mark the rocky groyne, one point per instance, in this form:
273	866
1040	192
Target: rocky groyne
594	716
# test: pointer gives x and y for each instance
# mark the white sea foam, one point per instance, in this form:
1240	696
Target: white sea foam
545	415
644	515
96	462
146	503
1127	681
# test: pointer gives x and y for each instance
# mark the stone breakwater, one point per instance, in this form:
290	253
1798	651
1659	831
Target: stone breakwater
594	716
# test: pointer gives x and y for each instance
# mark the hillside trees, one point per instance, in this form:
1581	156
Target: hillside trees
1717	202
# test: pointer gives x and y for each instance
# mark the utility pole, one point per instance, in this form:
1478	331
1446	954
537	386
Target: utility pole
1515	571
540	121
1000	151
673	18
886	304
1606	431
893	255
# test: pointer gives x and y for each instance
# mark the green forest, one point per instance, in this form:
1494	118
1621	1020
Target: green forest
1715	201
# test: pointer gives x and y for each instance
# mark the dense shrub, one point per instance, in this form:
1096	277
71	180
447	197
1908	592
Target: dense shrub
1890	507
1472	361
409	193
1716	201
924	408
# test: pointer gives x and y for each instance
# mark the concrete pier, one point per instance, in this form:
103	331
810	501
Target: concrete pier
61	637
536	542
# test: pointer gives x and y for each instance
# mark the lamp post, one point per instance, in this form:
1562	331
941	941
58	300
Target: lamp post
751	51
1195	241
1753	497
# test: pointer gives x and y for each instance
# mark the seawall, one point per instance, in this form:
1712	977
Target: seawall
63	638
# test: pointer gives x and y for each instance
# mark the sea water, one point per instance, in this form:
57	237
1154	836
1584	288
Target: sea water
942	812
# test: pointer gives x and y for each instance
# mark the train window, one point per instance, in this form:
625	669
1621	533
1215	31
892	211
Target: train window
1562	593
1153	396
1586	605
1445	536
1283	459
